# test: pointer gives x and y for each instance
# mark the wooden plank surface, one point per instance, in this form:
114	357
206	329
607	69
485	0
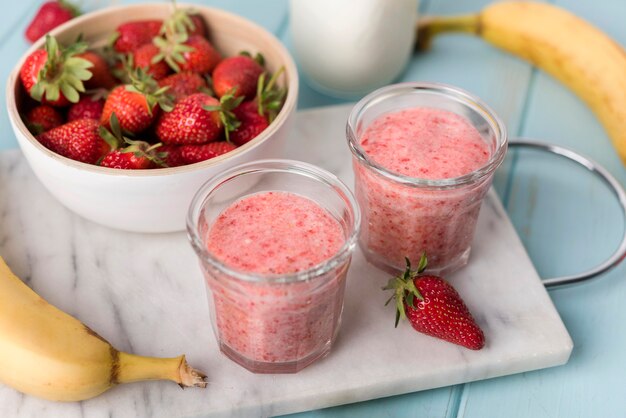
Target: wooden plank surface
566	219
568	222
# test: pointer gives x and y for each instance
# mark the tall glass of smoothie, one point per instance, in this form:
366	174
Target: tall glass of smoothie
424	155
275	239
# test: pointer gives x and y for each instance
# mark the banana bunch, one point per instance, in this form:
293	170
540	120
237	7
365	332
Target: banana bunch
570	49
47	353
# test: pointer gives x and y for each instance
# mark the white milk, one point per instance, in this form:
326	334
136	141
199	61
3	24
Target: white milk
350	47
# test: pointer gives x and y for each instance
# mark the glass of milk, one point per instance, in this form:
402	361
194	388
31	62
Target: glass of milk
347	48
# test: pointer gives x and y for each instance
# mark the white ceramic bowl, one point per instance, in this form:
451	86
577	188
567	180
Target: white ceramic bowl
151	200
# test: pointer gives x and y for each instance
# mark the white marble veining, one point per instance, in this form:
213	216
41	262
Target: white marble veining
145	294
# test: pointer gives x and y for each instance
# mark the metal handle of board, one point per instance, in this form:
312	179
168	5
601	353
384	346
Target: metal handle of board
610	181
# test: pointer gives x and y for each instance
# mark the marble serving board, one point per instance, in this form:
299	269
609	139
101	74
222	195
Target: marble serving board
145	294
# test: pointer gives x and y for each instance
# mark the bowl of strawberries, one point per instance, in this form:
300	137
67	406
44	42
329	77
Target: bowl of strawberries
123	113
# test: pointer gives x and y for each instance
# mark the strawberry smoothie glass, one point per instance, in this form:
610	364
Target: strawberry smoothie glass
275	240
424	155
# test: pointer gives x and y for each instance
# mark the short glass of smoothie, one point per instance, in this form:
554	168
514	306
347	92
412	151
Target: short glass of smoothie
275	240
424	155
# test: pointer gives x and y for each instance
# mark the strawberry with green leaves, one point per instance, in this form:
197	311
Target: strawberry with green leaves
251	123
136	105
239	74
198	119
434	307
42	118
135	155
51	14
78	140
131	35
55	75
187	53
101	76
182	85
184	21
256	115
148	57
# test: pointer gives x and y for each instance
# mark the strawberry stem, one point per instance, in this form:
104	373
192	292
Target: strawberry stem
269	97
63	72
228	102
143	83
179	21
404	289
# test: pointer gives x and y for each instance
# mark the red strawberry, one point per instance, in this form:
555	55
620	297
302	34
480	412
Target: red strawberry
199	27
87	108
136	155
55	75
191	154
172	155
182	85
144	57
196	119
101	74
252	123
184	21
125	160
240	73
202	58
42	118
131	35
255	116
136	105
177	155
50	15
78	140
434	307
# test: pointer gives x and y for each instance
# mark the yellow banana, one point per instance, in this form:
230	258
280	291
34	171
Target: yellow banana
47	353
579	55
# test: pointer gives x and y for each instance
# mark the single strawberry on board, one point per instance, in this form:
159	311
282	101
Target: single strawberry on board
434	307
137	104
78	140
198	119
131	35
55	75
88	107
42	118
239	74
50	15
182	85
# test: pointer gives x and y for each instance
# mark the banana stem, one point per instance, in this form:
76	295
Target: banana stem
429	27
133	368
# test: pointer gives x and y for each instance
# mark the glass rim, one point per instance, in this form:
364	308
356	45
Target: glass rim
442	89
274	165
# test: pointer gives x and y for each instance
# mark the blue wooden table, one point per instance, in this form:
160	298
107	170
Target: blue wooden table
567	219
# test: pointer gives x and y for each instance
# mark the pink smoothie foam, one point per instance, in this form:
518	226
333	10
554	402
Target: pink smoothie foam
404	221
276	233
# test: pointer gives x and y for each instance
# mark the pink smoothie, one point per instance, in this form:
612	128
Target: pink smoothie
259	322
275	233
404	221
425	143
